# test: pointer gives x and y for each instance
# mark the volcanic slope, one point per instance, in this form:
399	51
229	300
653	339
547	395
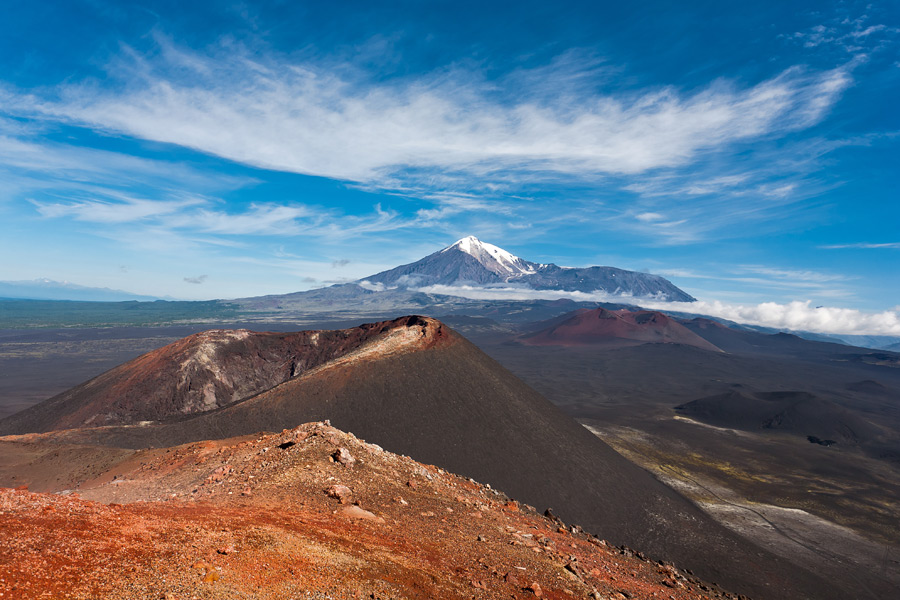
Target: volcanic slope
617	328
793	412
418	388
200	372
782	344
310	512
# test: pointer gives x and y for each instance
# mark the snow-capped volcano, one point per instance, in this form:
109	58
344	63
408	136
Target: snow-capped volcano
470	261
491	257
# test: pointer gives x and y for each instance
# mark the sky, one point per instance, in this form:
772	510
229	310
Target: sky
749	152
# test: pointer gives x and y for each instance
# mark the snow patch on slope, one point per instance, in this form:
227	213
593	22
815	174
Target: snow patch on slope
493	257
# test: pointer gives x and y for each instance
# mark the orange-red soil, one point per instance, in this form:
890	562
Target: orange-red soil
264	518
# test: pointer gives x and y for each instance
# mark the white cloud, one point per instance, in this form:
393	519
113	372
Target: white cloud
649	217
451	204
313	119
793	274
714	185
796	316
864	246
791	316
373	286
854	36
686	273
273	219
29	161
517	293
184	222
765	280
98	211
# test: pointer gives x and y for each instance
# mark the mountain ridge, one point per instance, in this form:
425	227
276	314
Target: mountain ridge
469	260
48	289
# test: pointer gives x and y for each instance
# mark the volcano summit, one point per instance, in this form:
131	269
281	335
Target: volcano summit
471	261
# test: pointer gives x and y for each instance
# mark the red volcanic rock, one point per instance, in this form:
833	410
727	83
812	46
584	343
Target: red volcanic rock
292	542
343	456
339	492
357	512
617	328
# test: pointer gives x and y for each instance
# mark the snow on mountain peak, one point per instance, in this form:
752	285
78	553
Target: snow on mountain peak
494	258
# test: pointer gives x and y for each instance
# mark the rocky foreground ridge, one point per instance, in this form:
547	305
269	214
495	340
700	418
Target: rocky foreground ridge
312	512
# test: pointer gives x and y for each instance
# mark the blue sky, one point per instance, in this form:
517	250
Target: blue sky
209	150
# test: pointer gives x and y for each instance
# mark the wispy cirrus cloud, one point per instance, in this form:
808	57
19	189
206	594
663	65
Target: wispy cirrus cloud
456	144
28	160
203	220
863	246
267	218
857	35
649	217
100	211
773	280
794	275
773	187
309	118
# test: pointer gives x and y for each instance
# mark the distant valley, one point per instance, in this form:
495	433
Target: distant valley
786	442
416	387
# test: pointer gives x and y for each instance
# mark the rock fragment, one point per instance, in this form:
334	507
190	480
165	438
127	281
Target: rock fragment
356	512
340	492
343	456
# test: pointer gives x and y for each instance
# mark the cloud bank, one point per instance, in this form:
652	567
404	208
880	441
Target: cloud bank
796	316
791	316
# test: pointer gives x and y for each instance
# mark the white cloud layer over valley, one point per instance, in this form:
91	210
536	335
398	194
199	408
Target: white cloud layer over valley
790	316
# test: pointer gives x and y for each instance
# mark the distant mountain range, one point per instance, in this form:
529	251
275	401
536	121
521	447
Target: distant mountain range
47	289
471	261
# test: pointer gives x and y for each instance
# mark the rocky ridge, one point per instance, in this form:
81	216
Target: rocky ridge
215	368
311	512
